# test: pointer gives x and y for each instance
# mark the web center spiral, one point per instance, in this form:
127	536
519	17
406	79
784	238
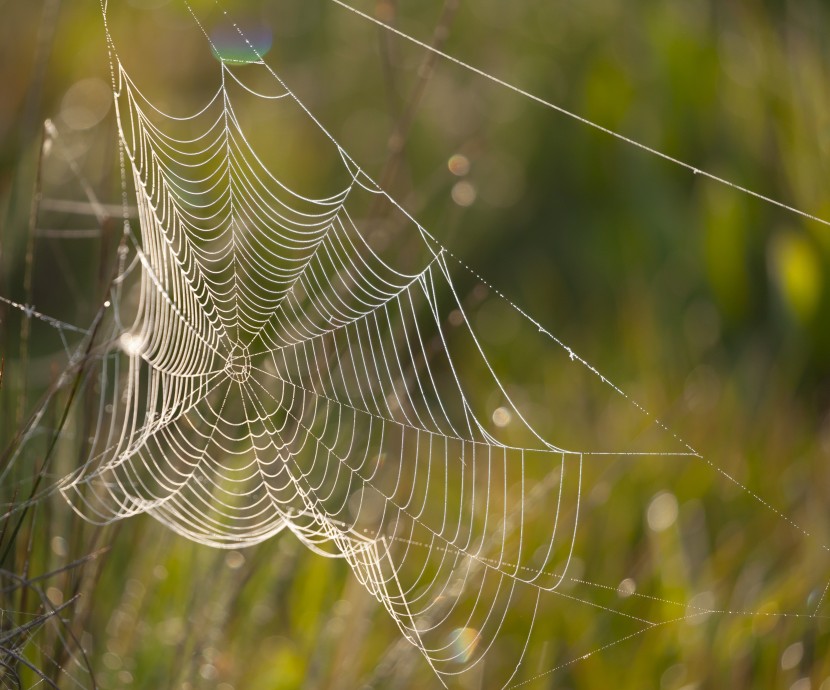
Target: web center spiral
238	364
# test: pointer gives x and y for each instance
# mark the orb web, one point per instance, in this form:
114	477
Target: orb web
271	369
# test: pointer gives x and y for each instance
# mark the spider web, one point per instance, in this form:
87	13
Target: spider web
270	369
282	375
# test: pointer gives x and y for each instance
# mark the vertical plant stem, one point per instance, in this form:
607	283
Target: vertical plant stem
28	277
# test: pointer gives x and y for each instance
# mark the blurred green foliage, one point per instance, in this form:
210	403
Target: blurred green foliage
705	305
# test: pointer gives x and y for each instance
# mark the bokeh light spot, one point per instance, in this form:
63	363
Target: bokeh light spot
797	272
662	511
463	643
792	656
85	103
464	193
234	560
502	416
626	588
459	164
131	344
241	44
699	608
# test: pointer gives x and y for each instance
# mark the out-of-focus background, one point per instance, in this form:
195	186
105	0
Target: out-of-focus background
705	305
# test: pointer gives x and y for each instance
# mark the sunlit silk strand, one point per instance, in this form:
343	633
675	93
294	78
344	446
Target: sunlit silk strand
280	374
580	118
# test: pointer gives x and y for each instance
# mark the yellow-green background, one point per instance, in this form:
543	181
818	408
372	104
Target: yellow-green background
706	305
